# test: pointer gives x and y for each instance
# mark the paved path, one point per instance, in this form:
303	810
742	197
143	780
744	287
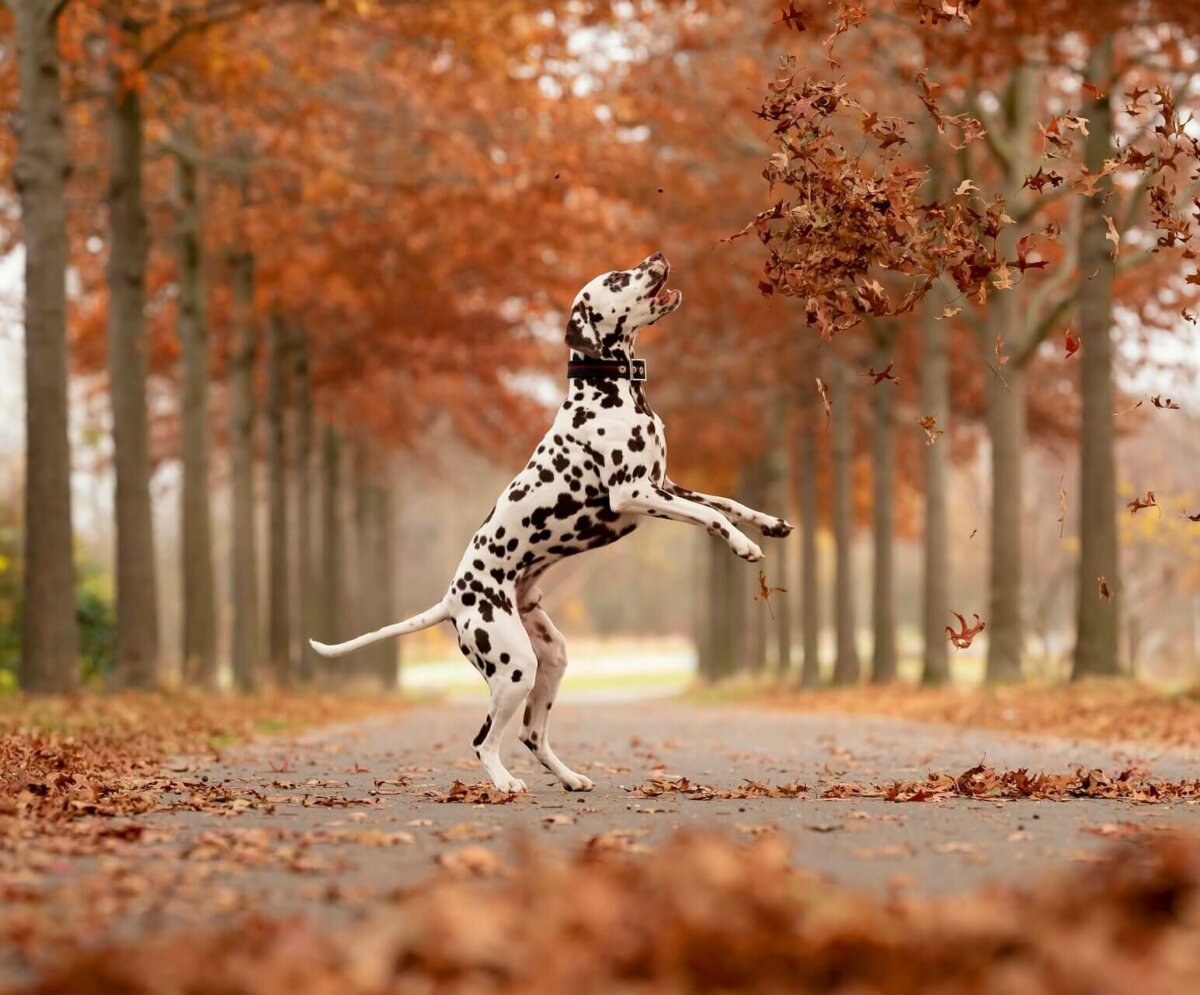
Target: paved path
323	824
866	842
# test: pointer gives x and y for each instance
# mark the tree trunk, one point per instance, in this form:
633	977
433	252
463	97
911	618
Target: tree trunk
329	597
779	477
306	614
1008	321
758	631
713	624
935	401
244	559
883	609
136	663
1006	428
1097	618
278	625
810	589
49	659
385	512
199	597
845	666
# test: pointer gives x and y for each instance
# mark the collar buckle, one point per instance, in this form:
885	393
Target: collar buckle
637	370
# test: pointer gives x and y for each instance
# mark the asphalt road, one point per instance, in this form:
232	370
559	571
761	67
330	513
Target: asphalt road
324	824
930	846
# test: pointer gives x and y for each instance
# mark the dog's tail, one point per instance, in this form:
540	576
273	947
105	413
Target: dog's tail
431	616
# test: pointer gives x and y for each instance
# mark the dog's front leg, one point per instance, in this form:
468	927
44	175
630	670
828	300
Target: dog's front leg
768	525
647	499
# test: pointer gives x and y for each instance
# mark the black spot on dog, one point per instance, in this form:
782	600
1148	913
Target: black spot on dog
516	677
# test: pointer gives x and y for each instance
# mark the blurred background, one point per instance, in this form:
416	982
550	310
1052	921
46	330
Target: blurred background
282	298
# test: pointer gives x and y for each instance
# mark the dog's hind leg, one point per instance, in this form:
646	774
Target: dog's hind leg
551	650
501	651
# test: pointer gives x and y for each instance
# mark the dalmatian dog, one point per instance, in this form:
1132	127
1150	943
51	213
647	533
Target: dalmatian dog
601	467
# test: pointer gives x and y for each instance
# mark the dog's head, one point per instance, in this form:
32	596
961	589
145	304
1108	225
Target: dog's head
610	311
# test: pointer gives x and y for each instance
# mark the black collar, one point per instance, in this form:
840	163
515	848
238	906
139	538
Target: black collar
607	369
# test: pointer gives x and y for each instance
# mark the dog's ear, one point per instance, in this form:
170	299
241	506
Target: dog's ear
582	336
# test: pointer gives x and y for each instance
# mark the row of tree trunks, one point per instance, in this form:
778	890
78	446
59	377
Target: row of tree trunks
49	634
199	649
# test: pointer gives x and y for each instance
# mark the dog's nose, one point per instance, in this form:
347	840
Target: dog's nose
658	257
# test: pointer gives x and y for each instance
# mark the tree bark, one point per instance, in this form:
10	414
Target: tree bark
330	593
779	479
199	597
306	615
883	608
845	666
810	590
1097	637
758	631
278	623
244	644
1006	428
49	634
136	663
1009	322
385	512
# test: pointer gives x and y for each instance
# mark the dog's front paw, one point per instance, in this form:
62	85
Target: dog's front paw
577	782
744	548
513	785
776	528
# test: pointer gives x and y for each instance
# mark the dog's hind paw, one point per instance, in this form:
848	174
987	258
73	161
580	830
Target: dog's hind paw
776	528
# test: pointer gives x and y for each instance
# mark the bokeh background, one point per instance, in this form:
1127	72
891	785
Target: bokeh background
318	261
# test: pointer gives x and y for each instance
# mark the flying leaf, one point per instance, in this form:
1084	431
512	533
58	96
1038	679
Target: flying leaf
962	639
1105	593
824	392
929	423
1137	504
882	375
1160	402
1113	236
1062	507
1125	411
966	187
1072	342
765	592
793	18
1191	518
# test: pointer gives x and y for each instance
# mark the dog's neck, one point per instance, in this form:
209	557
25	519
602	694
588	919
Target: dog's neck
621	353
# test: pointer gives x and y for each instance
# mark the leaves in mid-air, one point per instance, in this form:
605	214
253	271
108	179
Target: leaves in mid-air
1140	504
965	634
765	592
1072	342
884	374
929	423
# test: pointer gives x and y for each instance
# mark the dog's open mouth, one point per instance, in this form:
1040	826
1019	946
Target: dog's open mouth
658	290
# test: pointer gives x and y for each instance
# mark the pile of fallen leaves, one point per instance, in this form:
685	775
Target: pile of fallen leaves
708	916
65	759
981	781
1115	711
